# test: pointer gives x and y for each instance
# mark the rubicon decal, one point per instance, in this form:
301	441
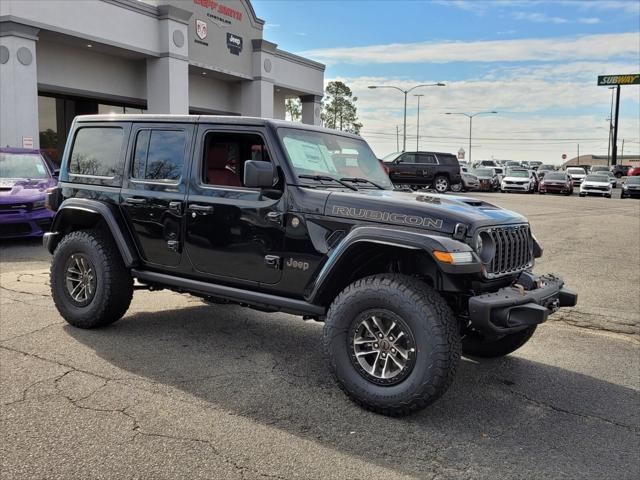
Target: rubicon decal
376	215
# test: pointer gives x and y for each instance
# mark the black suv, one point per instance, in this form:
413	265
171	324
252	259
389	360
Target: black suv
281	216
423	169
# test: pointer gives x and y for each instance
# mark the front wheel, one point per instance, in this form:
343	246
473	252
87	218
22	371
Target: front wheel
441	184
391	343
90	284
456	187
477	346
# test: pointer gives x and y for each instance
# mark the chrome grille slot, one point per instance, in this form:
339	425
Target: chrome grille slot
513	250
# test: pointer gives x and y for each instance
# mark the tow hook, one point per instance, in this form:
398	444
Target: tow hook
555	305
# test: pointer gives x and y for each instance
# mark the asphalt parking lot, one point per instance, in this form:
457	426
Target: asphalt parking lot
178	389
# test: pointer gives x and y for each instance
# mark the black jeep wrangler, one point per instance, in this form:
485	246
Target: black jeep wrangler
424	169
285	217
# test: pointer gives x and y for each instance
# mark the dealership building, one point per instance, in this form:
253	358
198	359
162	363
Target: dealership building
62	58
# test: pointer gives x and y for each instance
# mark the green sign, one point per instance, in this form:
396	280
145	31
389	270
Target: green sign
629	79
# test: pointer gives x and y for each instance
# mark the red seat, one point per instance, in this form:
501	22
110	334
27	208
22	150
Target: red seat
217	171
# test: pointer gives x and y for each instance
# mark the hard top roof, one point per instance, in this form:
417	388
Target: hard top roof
220	119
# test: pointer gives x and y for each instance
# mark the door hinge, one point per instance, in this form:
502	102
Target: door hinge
273	261
175	207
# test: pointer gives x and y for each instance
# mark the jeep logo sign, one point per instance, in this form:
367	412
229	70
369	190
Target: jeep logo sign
234	43
630	79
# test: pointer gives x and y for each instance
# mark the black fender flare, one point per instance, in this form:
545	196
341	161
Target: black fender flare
396	237
101	210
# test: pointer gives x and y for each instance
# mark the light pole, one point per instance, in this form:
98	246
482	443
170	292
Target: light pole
610	126
418	123
470	117
404	136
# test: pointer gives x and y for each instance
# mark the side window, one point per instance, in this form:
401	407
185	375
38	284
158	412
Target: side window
225	154
408	158
159	155
427	158
96	151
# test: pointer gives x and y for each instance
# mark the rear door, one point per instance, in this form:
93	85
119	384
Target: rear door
426	168
154	190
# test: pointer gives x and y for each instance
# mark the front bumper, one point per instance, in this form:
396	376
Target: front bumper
25	223
512	309
514	187
554	189
594	191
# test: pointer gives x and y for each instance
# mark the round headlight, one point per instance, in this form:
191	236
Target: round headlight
485	247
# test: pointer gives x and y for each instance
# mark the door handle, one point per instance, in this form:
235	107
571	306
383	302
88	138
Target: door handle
194	207
135	201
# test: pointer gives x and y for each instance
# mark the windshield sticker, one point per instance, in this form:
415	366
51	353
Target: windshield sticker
399	218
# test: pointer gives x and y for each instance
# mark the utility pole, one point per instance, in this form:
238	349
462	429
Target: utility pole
418	124
578	157
614	148
397	139
622	153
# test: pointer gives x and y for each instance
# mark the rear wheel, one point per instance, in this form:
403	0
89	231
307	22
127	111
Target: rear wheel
475	345
441	184
456	187
90	284
392	343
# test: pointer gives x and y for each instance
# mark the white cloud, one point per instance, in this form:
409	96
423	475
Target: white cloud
270	26
589	20
548	49
521	95
537	17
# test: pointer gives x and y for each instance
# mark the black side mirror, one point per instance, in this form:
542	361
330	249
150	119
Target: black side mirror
259	174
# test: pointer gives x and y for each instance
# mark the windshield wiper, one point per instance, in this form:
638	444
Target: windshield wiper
327	178
361	180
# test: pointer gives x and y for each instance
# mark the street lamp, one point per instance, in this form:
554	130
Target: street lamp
418	123
470	117
404	137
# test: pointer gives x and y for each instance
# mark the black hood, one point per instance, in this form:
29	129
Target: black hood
421	210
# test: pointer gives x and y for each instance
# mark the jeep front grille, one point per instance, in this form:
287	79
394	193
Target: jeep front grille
513	250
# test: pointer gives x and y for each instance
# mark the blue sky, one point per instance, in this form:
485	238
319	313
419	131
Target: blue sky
535	62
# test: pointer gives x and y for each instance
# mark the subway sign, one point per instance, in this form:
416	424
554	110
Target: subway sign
630	79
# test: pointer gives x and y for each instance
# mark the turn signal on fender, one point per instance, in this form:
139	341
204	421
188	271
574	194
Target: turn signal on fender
453	258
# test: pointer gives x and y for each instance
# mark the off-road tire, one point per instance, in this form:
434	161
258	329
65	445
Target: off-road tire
114	285
432	324
476	346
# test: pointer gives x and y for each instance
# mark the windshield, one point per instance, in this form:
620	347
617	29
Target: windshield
518	174
604	174
332	155
546	167
596	178
22	165
391	157
483	172
633	180
579	171
555	176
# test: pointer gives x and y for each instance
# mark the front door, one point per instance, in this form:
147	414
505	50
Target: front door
154	191
233	233
403	169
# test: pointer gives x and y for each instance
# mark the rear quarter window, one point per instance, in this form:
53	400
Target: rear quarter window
97	154
448	160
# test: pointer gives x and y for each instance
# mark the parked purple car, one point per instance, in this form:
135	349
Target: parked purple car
25	175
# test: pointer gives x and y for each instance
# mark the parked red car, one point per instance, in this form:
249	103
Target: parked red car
556	182
633	172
